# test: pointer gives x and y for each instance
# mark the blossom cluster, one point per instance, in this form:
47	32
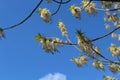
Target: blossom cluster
62	28
45	14
114	68
115	20
49	44
106	4
114	35
79	61
84	43
89	7
75	10
108	78
114	50
98	65
111	17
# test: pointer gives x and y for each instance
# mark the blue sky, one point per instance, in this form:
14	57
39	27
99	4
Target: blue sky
21	58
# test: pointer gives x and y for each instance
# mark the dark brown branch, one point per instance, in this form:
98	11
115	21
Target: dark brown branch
62	2
105	34
57	8
7	28
104	0
88	3
114	9
107	60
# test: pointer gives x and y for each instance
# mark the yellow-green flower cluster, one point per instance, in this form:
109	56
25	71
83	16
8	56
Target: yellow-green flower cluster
116	6
111	17
114	68
98	65
114	50
79	61
114	35
75	10
108	78
106	4
45	14
84	43
88	8
62	28
96	51
49	44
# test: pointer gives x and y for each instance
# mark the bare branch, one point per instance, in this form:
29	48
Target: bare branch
105	34
62	2
7	28
57	8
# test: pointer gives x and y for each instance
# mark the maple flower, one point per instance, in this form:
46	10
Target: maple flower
79	61
49	44
114	50
106	4
62	28
113	68
83	59
98	65
108	78
84	43
113	18
89	8
45	14
75	11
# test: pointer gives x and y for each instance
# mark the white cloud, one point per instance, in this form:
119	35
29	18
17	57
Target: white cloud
56	76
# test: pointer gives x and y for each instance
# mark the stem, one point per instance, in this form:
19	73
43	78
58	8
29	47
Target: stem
62	2
105	34
21	22
57	8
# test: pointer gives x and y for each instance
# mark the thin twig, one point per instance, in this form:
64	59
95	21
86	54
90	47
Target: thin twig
21	22
114	9
105	34
57	8
62	2
75	46
87	4
106	59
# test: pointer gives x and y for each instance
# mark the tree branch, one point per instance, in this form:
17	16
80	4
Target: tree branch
105	34
57	8
62	2
107	60
21	22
